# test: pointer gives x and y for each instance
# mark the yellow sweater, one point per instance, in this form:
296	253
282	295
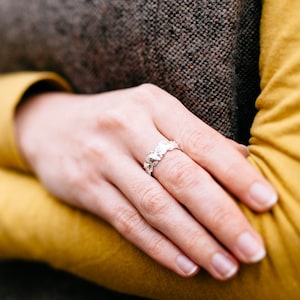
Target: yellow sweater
34	225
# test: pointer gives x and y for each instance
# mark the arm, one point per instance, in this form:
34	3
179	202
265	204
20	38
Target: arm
277	276
50	129
88	150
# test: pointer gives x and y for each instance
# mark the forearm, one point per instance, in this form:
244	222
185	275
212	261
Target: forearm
36	226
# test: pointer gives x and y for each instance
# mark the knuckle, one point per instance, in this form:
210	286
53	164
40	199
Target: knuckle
156	246
181	175
146	93
76	185
149	88
77	180
220	219
146	96
93	150
200	142
113	120
231	173
126	121
196	241
152	202
128	222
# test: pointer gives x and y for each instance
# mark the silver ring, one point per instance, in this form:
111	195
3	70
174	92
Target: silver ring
154	157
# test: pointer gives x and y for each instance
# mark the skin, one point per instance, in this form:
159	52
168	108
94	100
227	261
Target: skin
88	151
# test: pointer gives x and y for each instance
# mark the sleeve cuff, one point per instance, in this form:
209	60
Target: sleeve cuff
13	87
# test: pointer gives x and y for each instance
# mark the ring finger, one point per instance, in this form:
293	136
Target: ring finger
111	205
166	215
205	199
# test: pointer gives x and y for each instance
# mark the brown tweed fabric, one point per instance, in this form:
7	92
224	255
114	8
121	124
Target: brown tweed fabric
198	50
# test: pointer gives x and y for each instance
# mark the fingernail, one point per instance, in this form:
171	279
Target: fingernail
224	265
263	195
186	265
250	247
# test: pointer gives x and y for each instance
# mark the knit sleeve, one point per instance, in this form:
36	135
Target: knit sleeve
275	141
13	87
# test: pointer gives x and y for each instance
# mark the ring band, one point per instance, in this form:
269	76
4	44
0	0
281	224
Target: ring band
155	156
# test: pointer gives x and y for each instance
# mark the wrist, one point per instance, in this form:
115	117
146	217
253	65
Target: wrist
31	115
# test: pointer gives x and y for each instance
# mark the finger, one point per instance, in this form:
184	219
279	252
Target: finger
244	150
165	214
110	204
213	152
210	205
193	187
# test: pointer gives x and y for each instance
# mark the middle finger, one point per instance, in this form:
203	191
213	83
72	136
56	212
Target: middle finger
207	201
165	214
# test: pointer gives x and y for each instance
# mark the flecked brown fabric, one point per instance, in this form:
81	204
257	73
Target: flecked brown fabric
198	50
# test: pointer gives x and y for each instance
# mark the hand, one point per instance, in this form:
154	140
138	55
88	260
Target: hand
88	150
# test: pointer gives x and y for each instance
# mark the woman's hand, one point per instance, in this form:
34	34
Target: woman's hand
88	150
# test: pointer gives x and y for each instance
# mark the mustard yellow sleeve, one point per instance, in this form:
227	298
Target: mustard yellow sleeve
34	225
275	142
13	86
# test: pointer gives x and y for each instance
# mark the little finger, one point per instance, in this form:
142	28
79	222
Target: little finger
166	215
111	205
